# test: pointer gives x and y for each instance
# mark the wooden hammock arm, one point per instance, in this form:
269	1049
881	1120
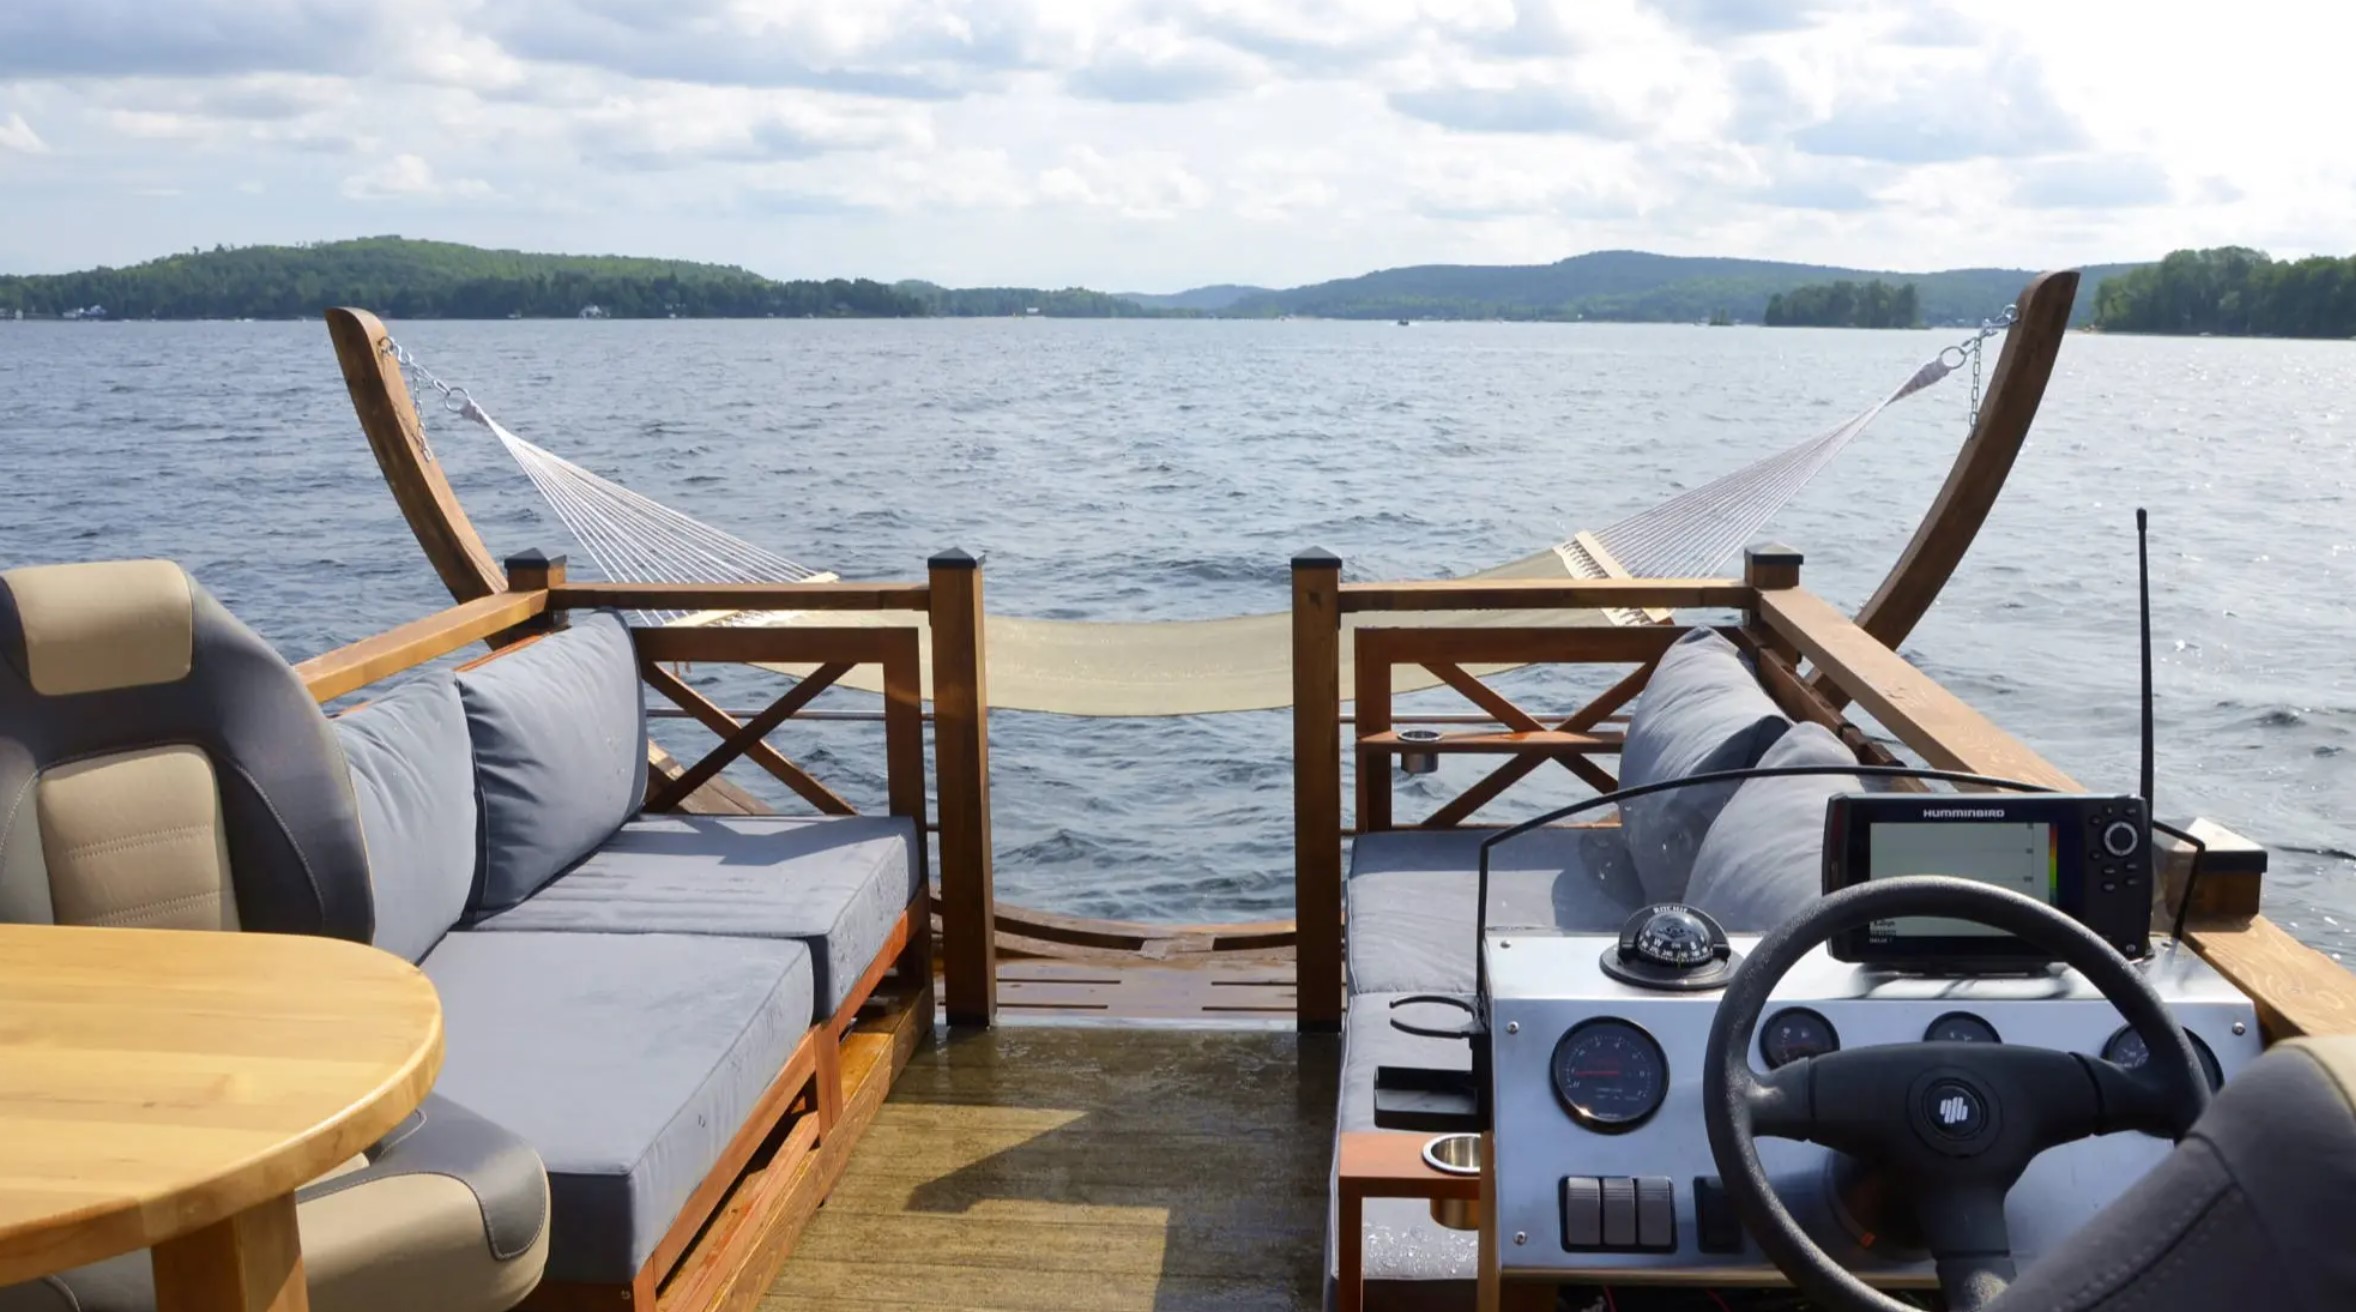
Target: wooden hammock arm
2041	318
380	395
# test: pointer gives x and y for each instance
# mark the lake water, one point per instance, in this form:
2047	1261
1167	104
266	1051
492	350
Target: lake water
1164	469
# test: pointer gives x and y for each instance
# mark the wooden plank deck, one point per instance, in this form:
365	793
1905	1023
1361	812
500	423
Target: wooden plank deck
1086	1169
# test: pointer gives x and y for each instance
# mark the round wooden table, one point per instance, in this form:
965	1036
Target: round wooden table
170	1090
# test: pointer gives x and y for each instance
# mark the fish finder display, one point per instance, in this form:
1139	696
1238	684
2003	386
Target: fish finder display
2021	857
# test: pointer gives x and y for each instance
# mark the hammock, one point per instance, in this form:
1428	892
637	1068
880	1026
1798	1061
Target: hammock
1170	667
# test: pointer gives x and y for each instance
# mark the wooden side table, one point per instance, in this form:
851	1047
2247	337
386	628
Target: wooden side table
1381	1164
171	1090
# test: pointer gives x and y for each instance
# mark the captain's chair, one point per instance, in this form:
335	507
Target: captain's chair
161	766
2255	1203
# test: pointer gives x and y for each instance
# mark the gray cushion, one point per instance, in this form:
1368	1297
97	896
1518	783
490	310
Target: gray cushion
835	884
1401	1240
414	773
559	731
1411	893
1703	710
628	1061
1763	859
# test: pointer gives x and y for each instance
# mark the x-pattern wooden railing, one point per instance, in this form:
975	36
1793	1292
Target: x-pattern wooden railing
1527	740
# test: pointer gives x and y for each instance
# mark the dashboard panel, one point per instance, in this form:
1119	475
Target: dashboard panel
1598	1105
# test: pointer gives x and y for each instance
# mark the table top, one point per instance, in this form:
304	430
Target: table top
156	1081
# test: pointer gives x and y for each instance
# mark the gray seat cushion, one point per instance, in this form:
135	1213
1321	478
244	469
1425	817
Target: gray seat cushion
835	884
1763	859
1411	893
413	770
1402	1242
1702	711
628	1061
559	733
449	1212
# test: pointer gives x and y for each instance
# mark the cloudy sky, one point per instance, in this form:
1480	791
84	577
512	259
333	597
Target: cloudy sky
1158	144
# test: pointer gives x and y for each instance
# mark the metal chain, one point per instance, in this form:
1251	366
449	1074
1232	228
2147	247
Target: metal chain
1969	350
454	399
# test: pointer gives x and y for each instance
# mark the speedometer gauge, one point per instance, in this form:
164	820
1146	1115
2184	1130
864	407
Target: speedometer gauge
1610	1075
2127	1050
1793	1033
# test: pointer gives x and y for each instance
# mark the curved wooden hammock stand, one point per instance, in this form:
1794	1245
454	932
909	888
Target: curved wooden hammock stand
951	601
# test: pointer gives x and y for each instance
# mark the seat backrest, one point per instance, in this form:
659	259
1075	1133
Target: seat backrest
2255	1200
162	766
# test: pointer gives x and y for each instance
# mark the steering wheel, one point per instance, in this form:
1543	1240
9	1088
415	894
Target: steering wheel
1954	1124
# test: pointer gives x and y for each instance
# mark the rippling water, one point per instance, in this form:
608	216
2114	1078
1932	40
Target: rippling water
1165	469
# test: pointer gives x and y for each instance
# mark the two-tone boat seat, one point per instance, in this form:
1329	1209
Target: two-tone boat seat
161	766
447	1211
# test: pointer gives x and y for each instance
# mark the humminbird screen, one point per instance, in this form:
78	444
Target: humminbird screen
2023	857
2085	856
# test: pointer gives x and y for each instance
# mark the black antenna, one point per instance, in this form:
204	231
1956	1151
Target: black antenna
2143	588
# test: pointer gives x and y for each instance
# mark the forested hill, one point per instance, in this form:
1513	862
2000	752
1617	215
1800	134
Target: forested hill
2233	291
407	279
1633	285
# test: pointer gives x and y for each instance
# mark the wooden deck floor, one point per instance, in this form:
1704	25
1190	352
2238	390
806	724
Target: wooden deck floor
1084	1169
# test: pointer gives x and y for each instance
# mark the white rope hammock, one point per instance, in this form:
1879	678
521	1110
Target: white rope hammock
1176	667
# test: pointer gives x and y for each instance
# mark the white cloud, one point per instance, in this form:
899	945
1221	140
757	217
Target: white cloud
18	135
1145	185
409	177
1001	141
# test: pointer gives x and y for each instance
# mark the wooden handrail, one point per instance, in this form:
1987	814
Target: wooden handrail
1543	594
1947	732
330	675
797	645
742	596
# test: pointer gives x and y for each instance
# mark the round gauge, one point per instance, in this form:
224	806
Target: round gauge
1796	1032
1610	1075
1960	1027
1677	936
2127	1051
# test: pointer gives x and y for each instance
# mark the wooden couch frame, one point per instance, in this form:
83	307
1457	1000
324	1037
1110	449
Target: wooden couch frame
736	1230
1813	660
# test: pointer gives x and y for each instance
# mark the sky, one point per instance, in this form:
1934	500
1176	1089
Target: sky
1152	145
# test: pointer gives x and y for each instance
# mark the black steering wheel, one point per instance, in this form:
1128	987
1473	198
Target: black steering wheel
1953	1124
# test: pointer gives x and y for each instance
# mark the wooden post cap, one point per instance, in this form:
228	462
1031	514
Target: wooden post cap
1771	566
1316	558
954	558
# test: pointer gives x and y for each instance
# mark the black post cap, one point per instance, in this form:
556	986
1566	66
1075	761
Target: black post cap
1316	558
533	558
1774	553
953	558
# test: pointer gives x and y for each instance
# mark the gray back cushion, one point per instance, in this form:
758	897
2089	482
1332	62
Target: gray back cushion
559	730
79	684
413	769
1763	859
1702	711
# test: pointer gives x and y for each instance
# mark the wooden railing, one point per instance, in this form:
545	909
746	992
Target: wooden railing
1813	661
539	595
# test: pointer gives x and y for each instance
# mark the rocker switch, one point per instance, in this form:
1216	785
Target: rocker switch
1656	1214
1619	1212
1582	1213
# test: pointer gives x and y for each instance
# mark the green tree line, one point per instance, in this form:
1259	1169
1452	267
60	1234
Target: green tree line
2232	291
1874	304
408	279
